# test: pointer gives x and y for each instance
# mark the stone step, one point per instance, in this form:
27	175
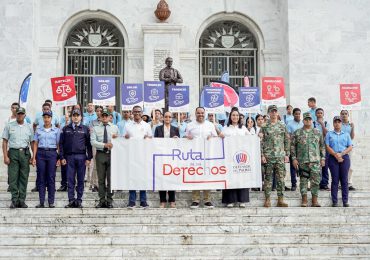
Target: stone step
190	251
167	218
186	228
178	239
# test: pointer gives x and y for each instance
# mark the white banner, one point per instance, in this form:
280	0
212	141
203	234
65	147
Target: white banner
182	164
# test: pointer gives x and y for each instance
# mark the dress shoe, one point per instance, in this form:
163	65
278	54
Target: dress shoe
101	205
78	204
13	205
109	205
346	205
22	205
35	189
294	188
62	188
40	206
334	205
71	204
51	205
351	188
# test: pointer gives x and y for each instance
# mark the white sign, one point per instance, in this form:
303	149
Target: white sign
182	164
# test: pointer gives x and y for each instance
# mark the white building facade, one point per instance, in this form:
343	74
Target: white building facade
314	44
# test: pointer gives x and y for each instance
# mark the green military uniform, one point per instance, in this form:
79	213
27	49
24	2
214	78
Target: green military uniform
308	148
19	138
101	135
274	147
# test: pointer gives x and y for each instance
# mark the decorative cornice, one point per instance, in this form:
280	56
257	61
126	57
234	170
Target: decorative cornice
161	28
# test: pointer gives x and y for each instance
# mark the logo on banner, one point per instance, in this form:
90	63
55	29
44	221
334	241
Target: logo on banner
350	96
132	97
241	157
179	99
214	101
104	91
154	95
249	100
63	90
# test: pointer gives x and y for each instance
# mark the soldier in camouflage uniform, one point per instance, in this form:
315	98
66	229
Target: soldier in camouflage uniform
308	155
274	154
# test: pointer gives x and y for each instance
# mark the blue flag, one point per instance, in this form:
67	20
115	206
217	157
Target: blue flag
23	93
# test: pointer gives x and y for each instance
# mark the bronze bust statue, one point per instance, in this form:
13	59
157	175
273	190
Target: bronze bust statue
170	76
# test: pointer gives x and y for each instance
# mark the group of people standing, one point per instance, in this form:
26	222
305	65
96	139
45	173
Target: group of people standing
77	138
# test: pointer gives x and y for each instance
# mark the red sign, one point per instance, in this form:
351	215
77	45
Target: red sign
64	91
350	96
273	91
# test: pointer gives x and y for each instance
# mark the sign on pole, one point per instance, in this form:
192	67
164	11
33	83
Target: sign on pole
153	95
273	91
249	100
178	99
131	95
214	100
104	91
350	96
64	91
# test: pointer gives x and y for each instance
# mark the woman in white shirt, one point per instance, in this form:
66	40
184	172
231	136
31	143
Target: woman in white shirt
251	125
235	127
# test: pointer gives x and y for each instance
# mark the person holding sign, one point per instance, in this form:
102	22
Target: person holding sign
235	127
308	156
275	152
75	152
339	145
200	129
101	137
45	157
167	131
138	129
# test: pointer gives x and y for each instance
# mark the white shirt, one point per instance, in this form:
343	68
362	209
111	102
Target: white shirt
138	130
258	130
196	129
167	132
235	130
251	131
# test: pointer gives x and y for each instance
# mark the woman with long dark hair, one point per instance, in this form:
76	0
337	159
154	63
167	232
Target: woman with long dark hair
235	128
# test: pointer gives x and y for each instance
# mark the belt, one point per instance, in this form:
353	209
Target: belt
100	151
19	149
47	149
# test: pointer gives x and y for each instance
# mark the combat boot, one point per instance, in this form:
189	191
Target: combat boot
315	203
304	201
267	202
281	202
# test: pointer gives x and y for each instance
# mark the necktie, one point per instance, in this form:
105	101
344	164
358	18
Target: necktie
105	138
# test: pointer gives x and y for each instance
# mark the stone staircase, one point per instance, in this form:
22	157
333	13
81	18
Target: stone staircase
251	233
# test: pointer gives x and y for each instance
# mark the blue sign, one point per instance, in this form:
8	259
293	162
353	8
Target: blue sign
213	100
104	91
153	94
249	100
178	99
131	95
23	94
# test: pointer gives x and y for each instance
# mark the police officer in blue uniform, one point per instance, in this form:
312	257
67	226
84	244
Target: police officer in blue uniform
45	157
338	145
76	153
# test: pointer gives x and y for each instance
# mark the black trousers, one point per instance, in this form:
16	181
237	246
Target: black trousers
171	196
235	195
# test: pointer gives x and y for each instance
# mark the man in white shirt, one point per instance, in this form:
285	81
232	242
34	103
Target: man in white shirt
200	129
138	129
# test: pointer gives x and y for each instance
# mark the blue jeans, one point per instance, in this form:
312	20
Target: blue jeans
132	196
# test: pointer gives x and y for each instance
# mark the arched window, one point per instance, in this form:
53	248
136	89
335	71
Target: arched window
228	46
94	47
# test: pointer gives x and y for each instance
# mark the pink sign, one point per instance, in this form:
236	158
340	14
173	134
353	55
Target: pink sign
350	96
273	91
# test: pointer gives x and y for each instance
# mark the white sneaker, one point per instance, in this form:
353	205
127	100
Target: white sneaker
230	205
242	205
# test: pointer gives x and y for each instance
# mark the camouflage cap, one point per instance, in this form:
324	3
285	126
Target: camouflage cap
272	107
21	110
105	111
307	115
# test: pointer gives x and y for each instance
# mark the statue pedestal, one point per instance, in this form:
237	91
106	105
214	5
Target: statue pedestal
161	40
